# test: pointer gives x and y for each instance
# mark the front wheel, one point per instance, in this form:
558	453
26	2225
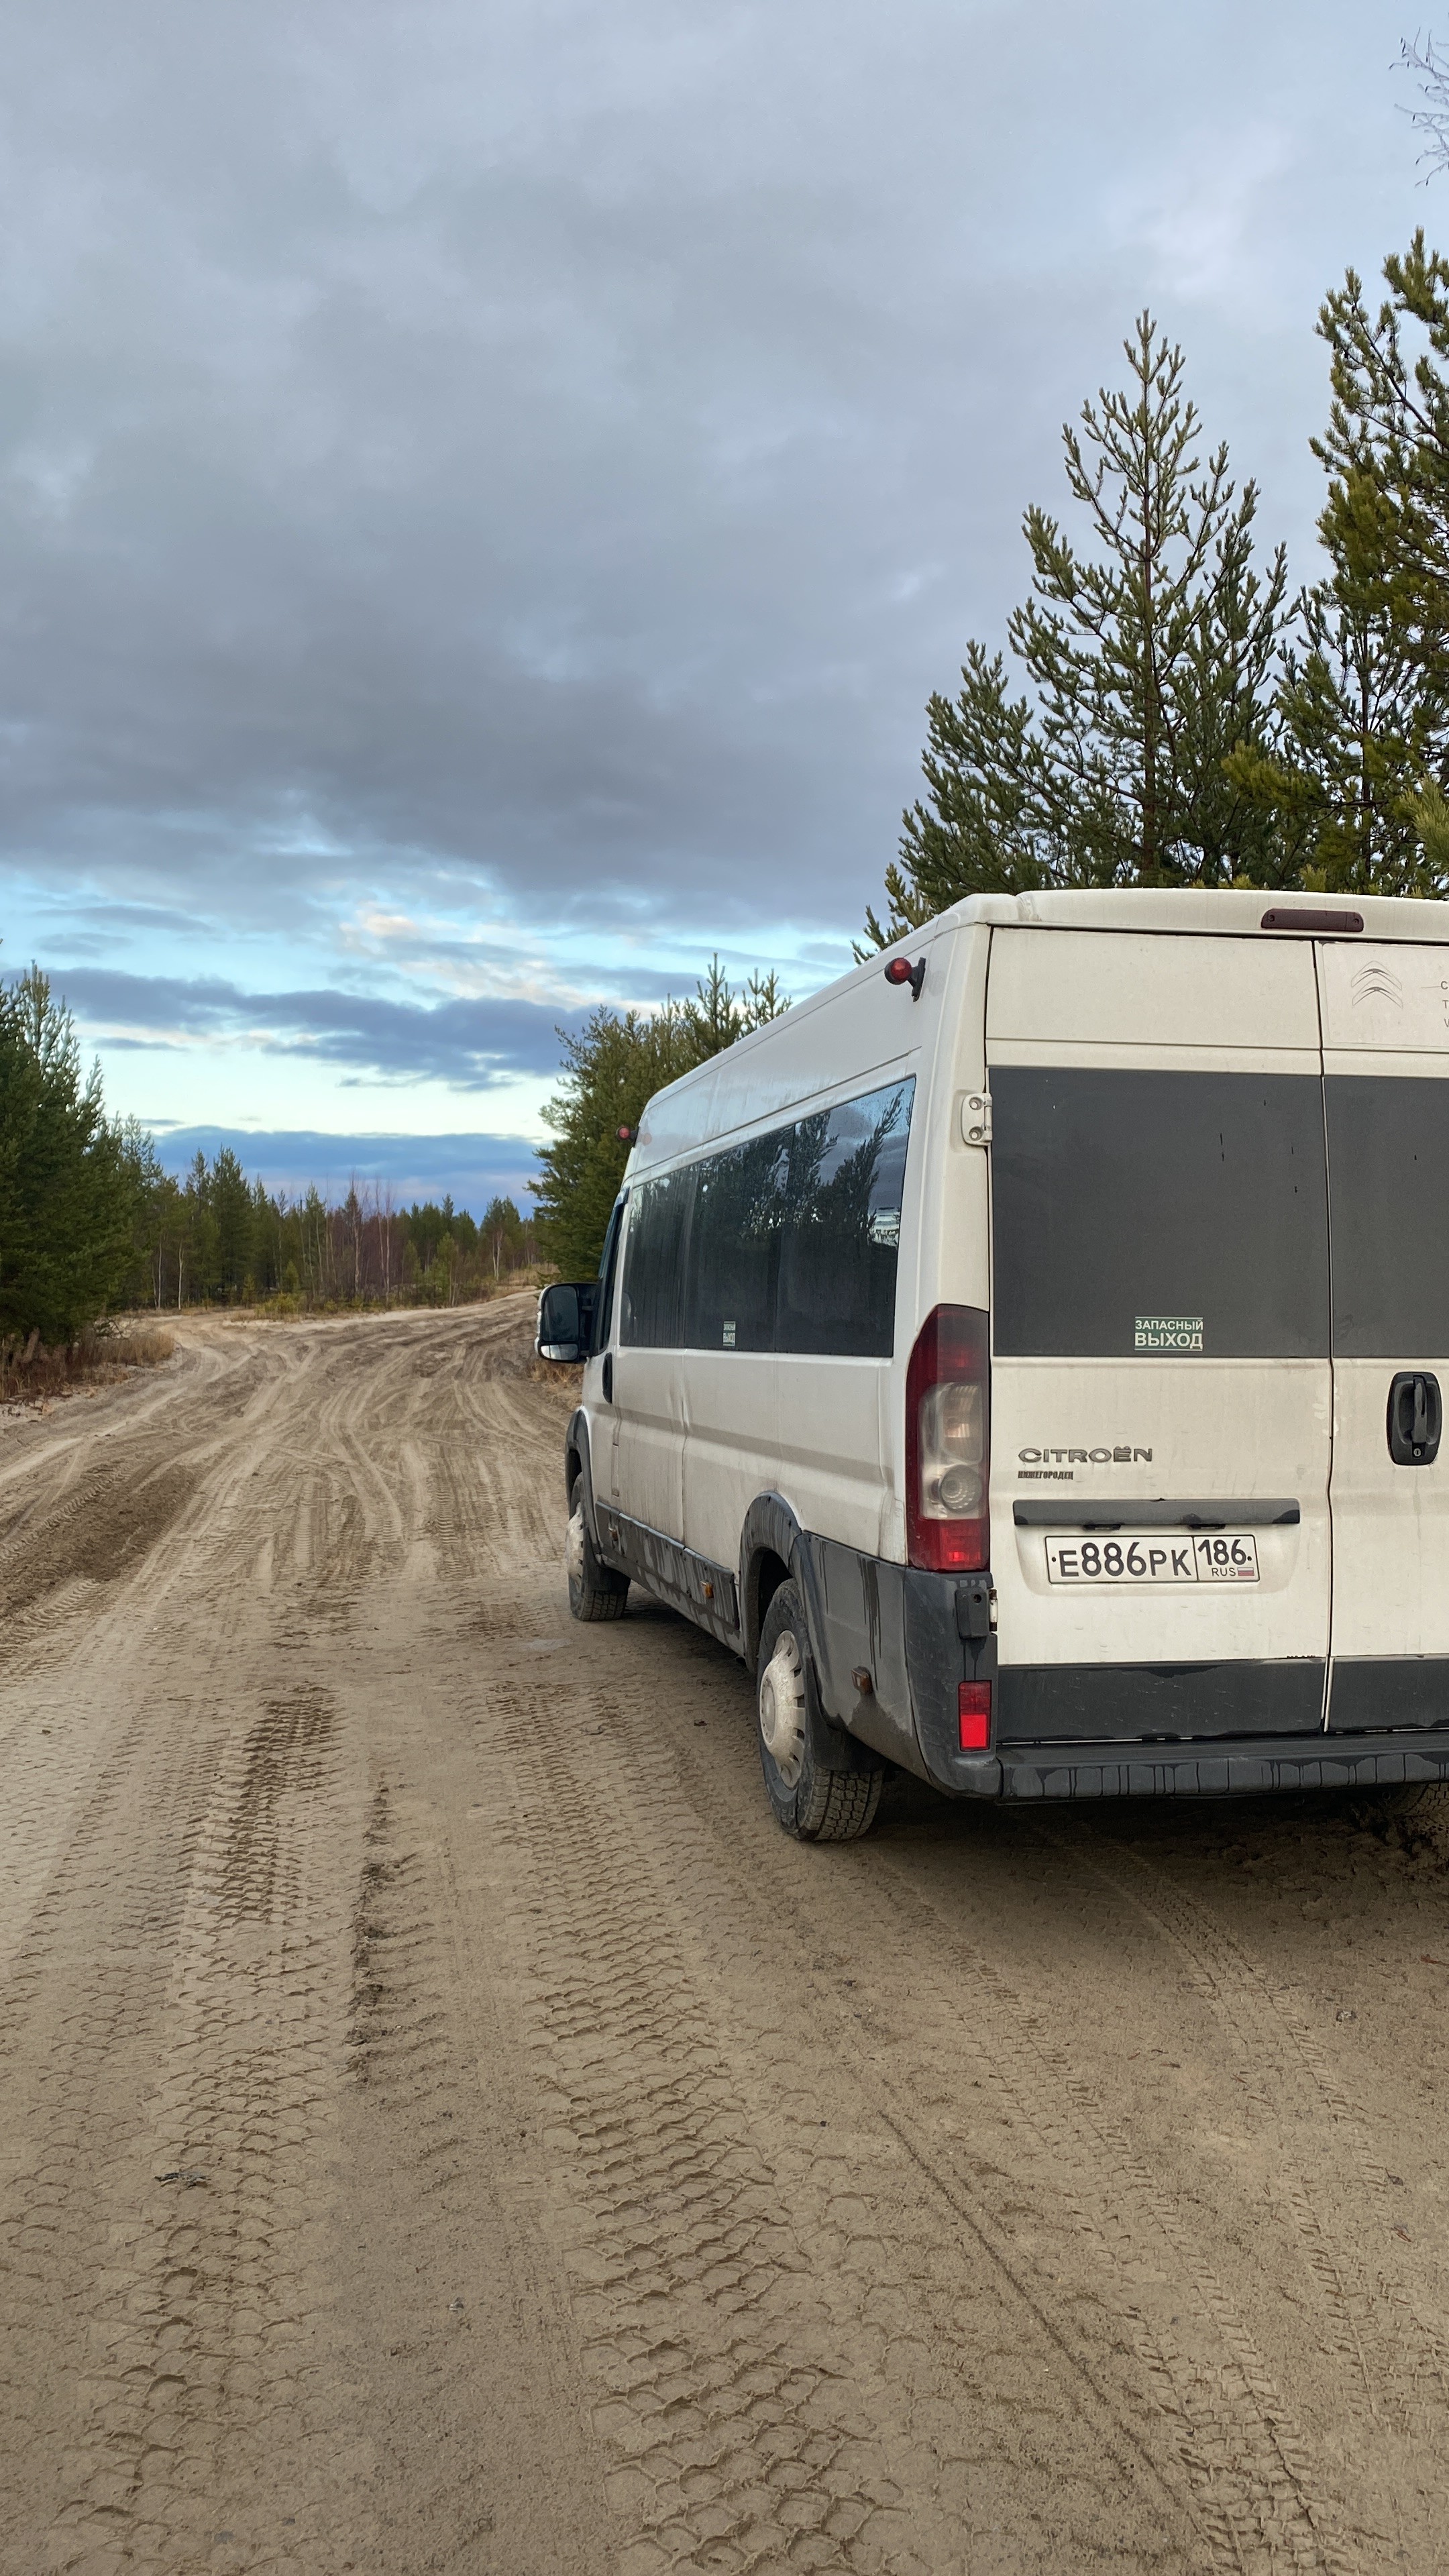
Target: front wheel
815	1798
595	1590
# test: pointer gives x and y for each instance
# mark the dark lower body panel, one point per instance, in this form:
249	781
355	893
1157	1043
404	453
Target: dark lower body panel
1388	1691
1231	1729
1149	1703
688	1582
1221	1770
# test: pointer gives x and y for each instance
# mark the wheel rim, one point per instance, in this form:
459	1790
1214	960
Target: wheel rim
574	1550
782	1709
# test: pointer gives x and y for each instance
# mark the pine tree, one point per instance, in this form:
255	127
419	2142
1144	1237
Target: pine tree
230	1200
990	826
1147	657
617	1063
1352	779
68	1183
1387	446
1348	783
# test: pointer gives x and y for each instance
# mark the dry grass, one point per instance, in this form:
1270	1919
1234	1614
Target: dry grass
32	1374
559	1376
141	1345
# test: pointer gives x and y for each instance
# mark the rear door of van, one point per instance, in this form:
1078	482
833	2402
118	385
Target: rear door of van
1386	1087
1162	1398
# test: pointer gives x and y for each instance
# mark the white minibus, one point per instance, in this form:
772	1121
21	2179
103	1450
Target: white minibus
1027	1354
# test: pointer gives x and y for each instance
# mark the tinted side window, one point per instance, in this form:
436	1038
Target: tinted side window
1388	1146
735	1245
651	1310
608	1275
842	1236
1169	1198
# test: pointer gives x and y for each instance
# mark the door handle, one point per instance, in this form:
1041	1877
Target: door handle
1416	1418
608	1377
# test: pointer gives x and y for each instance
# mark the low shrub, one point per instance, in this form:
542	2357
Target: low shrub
31	1370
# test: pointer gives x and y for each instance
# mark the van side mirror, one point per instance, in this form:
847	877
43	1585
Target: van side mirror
566	1320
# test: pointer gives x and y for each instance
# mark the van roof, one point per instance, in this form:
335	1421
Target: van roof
1236	913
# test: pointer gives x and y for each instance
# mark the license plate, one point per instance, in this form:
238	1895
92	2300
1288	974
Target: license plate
1202	1556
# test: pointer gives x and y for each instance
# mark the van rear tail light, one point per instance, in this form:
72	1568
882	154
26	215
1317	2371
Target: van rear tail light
948	1387
975	1716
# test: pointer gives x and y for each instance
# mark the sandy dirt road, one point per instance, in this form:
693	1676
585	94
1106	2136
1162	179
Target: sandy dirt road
445	2125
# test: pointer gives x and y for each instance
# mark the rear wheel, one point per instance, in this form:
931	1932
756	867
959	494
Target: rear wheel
815	1798
595	1590
1425	1802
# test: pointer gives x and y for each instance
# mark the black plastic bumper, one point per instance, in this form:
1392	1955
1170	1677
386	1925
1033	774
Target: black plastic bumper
1223	1769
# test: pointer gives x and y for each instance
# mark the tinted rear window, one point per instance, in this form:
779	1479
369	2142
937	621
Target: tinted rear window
1389	1157
1164	1199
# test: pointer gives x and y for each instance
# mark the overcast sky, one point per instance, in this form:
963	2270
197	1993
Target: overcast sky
486	491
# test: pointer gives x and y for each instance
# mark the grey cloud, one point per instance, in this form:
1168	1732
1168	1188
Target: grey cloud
471	1169
558	450
471	1044
94	929
148	920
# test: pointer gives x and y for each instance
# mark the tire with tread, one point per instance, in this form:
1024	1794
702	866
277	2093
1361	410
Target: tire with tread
595	1590
815	1799
1426	1802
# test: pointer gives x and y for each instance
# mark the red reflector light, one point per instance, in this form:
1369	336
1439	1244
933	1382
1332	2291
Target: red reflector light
974	1701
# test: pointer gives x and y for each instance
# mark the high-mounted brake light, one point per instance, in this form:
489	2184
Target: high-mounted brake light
973	1701
948	1388
1297	916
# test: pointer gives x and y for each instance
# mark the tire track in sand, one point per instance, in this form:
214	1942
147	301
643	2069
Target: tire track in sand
751	2397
